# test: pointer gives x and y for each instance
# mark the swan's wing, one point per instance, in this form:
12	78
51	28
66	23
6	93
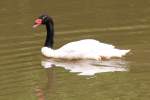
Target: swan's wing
83	48
86	45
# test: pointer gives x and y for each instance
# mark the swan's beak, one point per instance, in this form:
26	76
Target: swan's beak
37	23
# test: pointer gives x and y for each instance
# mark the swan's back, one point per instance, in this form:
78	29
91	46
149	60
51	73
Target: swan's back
86	45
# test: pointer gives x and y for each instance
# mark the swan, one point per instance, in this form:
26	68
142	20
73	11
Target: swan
82	49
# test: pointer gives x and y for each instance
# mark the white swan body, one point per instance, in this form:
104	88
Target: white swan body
84	49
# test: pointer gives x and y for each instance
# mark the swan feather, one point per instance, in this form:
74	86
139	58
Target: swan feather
84	49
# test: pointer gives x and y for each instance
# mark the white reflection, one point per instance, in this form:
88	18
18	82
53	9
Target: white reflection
87	67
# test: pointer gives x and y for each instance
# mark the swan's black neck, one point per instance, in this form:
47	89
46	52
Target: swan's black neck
50	34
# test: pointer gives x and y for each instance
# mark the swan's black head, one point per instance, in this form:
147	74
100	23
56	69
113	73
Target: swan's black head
48	22
43	20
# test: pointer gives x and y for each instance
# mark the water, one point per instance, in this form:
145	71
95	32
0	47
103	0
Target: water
124	24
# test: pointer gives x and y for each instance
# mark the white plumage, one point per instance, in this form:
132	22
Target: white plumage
84	49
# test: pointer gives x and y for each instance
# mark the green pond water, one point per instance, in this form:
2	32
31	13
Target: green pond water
123	23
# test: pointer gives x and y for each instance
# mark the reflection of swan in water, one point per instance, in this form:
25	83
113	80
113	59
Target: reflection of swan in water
87	67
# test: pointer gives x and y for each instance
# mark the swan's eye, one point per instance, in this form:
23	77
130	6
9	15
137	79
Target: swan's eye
44	17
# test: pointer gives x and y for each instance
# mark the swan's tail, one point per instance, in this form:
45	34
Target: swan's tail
115	53
124	52
120	53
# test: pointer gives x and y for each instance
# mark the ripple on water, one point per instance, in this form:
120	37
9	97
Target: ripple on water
120	28
18	63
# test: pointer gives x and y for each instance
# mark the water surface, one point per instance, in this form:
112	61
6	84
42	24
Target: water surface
125	24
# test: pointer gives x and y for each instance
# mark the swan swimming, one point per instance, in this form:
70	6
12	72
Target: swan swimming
82	49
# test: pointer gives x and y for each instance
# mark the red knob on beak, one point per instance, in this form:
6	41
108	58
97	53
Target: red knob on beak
37	23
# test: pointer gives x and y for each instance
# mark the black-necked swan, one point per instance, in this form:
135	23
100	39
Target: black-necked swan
83	49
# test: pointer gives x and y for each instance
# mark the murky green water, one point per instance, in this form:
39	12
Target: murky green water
125	24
